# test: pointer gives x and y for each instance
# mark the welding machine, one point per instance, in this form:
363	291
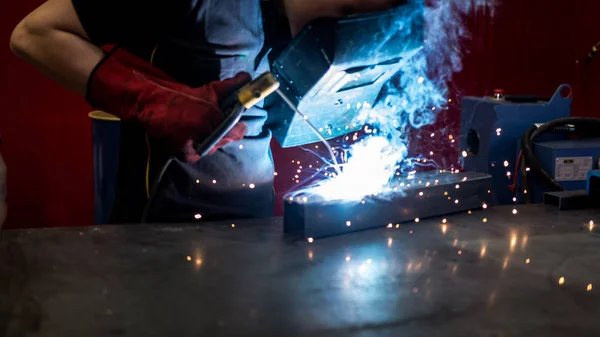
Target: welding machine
491	128
567	161
556	172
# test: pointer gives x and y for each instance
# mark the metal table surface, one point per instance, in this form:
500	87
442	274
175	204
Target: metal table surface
531	274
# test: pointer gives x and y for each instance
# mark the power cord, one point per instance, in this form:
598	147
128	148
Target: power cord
574	126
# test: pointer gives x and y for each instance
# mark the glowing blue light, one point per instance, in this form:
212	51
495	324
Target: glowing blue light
411	100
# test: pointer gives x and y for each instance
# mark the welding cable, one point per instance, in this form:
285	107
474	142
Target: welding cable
574	126
525	181
513	187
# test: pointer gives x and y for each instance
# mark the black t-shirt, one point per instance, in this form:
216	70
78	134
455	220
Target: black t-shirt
197	41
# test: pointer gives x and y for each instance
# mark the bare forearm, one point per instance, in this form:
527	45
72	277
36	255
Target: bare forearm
59	51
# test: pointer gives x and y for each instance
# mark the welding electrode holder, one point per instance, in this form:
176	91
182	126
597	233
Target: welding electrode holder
232	107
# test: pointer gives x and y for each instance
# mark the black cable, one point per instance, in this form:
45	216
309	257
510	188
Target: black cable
525	182
583	127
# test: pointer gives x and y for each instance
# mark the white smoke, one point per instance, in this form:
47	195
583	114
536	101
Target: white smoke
411	101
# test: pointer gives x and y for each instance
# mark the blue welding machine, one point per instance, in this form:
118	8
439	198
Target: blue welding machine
567	161
491	128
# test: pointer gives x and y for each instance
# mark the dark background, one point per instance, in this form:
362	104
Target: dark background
528	47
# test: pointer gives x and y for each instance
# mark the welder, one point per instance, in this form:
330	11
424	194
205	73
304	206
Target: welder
169	65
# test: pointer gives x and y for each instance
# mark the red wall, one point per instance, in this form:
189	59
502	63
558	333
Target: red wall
46	140
530	47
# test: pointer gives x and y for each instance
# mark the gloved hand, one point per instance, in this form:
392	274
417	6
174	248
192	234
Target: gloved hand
134	90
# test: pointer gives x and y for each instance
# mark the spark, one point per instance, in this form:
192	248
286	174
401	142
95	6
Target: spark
484	220
444	220
366	172
514	211
483	251
412	102
528	261
275	174
527	169
459	252
589	287
189	258
397	226
348	223
514	199
591	226
214	181
310	240
252	186
420	194
197	181
417	220
232	225
241	147
457	186
390	226
484	206
198	216
456	201
506	164
561	280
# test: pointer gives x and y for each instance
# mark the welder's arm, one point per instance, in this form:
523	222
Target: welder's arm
53	40
136	91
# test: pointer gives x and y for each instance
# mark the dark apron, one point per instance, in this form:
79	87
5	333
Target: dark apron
217	40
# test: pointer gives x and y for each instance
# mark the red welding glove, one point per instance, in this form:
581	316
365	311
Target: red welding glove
136	91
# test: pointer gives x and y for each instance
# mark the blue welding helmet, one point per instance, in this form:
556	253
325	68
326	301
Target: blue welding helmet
336	65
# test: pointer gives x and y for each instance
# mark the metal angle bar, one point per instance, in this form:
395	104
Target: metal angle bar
424	195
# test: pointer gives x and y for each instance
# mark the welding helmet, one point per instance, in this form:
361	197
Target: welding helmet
336	66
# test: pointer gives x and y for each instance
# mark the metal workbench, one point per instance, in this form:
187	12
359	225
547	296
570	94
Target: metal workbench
536	273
